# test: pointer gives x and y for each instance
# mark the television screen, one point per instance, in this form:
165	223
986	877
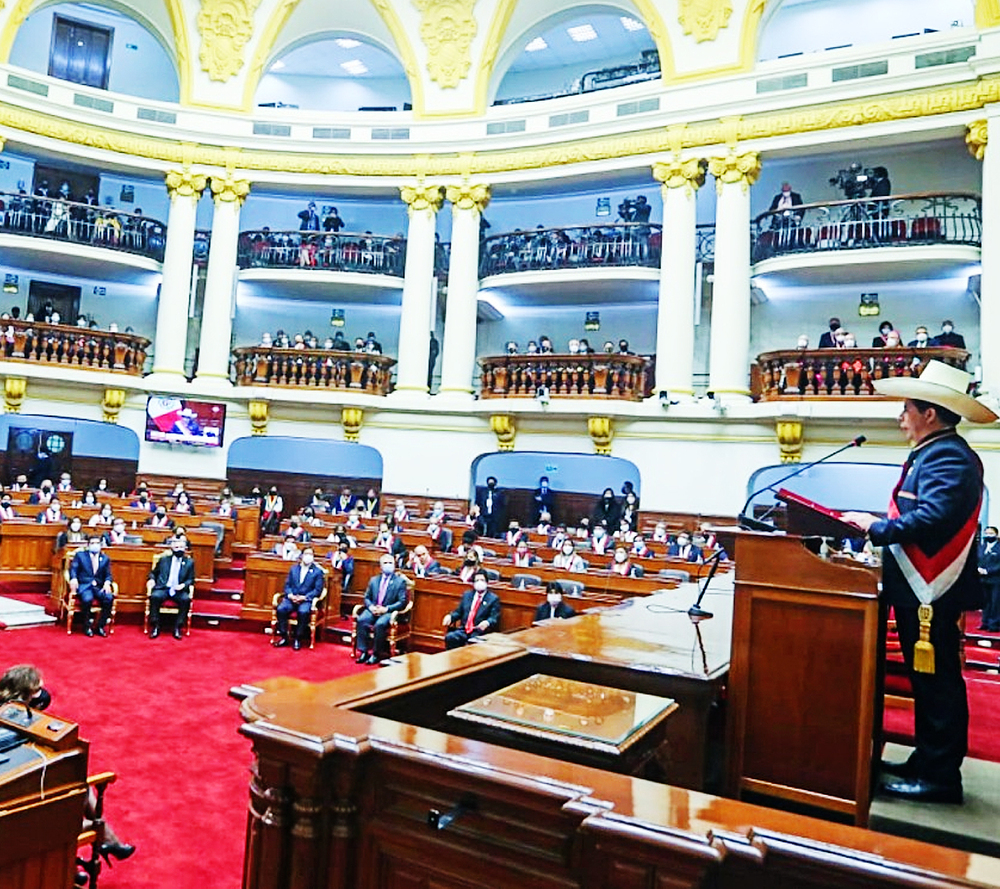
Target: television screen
183	421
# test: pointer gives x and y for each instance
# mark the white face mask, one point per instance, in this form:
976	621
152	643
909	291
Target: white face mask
307	558
388	568
553	598
567	551
947	328
681	541
95	547
480	584
621	557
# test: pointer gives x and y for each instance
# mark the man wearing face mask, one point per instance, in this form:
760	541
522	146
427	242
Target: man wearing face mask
826	341
478	613
568	560
921	339
143	502
948	338
490	501
303	584
543	500
989	573
117	533
684	549
386	593
90	580
172	577
553	606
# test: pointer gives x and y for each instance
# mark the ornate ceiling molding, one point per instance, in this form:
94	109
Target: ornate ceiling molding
226	27
703	19
447	28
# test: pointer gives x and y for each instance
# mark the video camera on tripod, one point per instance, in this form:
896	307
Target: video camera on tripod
854	181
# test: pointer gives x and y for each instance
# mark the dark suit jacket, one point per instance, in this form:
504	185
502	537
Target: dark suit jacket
161	572
952	340
498	504
489	610
826	341
991	562
692	556
396	594
940	492
311	587
796	200
82	569
544	611
543	500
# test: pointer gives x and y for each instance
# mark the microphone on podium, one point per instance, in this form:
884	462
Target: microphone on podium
696	612
749	523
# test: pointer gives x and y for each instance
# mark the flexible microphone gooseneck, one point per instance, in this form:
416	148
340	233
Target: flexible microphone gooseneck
696	612
749	523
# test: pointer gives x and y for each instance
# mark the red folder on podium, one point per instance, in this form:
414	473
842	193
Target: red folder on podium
810	519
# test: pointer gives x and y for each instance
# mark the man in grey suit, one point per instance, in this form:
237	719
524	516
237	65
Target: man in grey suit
385	594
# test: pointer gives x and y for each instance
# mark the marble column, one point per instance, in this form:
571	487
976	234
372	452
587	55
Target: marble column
978	136
415	322
228	193
170	343
675	311
458	363
729	356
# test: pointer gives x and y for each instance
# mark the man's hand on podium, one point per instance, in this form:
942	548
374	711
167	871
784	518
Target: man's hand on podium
862	520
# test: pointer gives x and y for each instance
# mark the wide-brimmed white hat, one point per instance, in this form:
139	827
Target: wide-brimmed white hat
942	384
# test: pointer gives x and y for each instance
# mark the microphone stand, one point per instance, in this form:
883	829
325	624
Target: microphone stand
696	612
749	523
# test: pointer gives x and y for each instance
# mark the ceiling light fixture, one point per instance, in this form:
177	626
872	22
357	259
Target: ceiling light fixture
631	24
347	42
536	44
354	66
582	33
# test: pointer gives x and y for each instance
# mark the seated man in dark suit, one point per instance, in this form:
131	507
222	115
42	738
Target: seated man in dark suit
478	613
386	593
303	584
553	606
684	549
422	564
173	578
90	579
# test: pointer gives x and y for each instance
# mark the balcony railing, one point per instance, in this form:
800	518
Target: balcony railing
895	221
59	220
313	369
344	251
840	373
620	377
590	246
73	346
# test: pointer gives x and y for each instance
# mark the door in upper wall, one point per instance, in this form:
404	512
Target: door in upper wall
80	52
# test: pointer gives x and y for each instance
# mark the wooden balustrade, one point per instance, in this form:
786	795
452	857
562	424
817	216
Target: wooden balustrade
600	375
73	346
840	373
313	369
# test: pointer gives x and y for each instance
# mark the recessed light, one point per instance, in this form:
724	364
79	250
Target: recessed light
277	66
354	66
631	24
347	42
536	44
582	33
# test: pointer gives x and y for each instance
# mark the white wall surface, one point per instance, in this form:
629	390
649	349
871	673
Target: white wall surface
334	93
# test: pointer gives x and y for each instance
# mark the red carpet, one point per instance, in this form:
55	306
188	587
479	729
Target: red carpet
157	713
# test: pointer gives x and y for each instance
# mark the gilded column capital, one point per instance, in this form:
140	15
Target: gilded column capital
467	196
735	168
112	404
505	429
601	432
185	184
258	409
703	19
976	138
228	189
226	27
447	28
14	390
677	173
422	197
789	434
351	419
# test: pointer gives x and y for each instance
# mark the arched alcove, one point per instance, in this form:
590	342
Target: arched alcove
105	45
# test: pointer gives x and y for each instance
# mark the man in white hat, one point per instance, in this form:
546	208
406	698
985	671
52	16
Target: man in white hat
930	572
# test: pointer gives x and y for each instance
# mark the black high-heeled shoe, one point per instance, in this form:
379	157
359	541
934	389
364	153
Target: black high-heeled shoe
121	851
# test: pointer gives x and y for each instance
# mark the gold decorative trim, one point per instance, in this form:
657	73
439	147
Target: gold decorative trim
601	431
265	45
228	189
351	419
422	197
677	173
3	141
185	184
789	434
406	54
14	390
504	427
488	54
703	19
987	13
467	196
259	412
226	27
977	136
735	168
447	28
112	404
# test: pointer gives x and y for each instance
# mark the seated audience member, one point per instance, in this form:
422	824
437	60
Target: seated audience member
89	499
386	593
474	520
384	536
74	535
342	562
271	509
471	562
297	530
160	519
143	501
44	494
849	342
302	586
52	513
23	684
225	509
139	488
90	579
826	340
288	549
173	578
102	486
308	518
437	513
514	534
116	534
434	530
469	538
948	338
370	505
920	338
339	535
621	564
104	516
478	613
684	549
553	606
345	502
893	340
20	483
544	522
660	533
183	504
639	547
882	340
319	503
583	532
523	557
625	532
176	492
7	510
353	522
422	564
65	483
802	342
600	541
700	541
400	513
568	560
557	536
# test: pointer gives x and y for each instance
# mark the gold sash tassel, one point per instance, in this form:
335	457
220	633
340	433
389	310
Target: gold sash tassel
923	651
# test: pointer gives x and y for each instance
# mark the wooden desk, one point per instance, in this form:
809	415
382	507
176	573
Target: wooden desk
26	550
266	575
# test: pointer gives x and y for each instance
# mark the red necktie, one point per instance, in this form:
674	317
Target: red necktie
382	588
470	623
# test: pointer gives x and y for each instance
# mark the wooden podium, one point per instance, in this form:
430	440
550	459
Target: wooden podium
805	679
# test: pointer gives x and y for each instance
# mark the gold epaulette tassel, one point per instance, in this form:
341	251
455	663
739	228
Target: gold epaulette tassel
923	651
